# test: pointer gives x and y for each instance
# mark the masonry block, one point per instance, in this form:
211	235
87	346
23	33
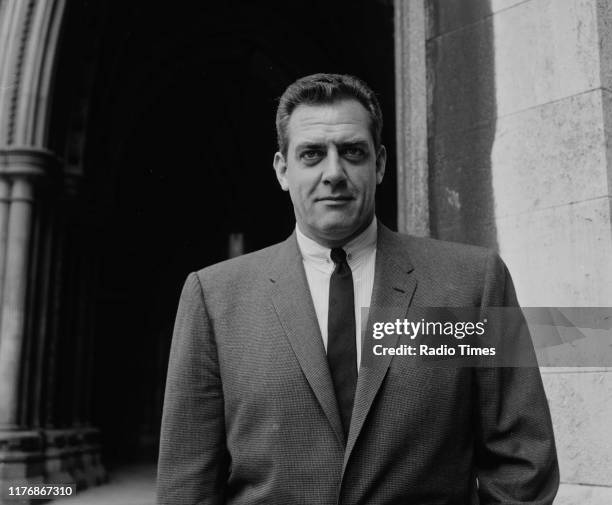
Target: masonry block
581	408
534	53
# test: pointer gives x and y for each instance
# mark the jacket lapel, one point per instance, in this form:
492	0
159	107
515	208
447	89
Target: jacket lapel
394	286
293	303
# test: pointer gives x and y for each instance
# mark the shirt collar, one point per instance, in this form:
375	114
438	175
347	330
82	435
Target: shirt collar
357	249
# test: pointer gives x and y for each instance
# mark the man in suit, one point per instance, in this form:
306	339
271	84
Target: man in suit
272	396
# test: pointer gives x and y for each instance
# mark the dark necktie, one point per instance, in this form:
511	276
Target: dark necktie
341	348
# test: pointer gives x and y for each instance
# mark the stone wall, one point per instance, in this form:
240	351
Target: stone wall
519	124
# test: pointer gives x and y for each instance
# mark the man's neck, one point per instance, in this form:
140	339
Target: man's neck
331	243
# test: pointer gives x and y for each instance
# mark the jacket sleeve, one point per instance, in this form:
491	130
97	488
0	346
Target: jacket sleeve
516	460
193	459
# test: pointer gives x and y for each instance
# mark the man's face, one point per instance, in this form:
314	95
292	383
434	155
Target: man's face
331	170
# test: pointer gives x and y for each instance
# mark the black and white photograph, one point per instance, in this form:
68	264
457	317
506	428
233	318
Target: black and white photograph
306	252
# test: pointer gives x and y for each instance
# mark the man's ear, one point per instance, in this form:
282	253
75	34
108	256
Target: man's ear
280	167
381	162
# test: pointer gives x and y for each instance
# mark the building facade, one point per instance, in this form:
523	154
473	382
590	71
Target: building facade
120	172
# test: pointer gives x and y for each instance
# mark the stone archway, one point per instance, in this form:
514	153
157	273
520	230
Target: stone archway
34	446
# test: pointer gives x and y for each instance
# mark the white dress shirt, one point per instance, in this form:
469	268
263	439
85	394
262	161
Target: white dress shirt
361	257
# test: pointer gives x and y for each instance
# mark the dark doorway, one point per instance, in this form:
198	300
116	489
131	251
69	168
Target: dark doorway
178	144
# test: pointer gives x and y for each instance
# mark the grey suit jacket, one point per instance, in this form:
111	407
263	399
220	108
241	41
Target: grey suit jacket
250	415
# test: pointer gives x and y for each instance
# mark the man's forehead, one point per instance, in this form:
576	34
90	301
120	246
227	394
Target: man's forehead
345	120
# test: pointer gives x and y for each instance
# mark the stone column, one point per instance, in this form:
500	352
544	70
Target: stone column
21	172
14	298
5	193
411	117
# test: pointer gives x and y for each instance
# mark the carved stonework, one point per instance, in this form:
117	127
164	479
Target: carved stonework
29	32
21	459
15	30
23	441
29	236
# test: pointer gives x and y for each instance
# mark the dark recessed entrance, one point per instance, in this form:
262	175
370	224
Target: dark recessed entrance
179	138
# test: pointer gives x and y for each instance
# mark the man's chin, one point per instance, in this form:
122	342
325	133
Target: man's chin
336	230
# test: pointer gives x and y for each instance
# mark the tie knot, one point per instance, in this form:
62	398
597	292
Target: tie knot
338	255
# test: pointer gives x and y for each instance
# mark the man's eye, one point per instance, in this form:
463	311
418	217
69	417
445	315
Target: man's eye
311	156
354	153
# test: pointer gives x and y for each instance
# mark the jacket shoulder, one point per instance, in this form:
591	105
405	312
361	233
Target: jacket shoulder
429	250
449	266
241	269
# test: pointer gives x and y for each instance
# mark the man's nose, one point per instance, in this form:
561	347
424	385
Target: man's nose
334	169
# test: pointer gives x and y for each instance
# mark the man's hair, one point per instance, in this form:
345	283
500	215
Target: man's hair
319	89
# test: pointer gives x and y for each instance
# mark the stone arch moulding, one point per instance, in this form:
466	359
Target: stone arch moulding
29	35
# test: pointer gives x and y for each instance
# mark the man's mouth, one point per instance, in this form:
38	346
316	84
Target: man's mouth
339	198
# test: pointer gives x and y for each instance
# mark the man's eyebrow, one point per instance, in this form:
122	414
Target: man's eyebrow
341	144
310	145
354	143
